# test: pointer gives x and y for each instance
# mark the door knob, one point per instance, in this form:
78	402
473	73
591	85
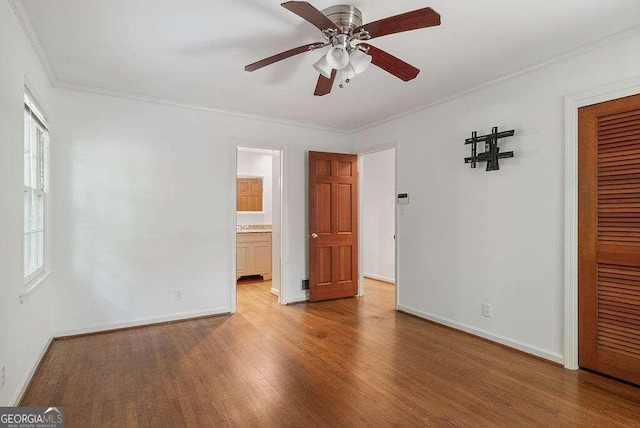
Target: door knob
314	235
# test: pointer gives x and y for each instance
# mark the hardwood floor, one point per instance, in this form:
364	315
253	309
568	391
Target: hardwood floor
351	362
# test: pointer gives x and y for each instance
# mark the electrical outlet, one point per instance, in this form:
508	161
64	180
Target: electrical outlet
178	294
487	310
305	284
3	378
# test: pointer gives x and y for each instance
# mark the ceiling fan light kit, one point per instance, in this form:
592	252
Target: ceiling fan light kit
360	61
338	57
348	55
322	66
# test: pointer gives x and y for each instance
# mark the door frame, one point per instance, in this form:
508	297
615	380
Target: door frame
573	102
277	224
361	179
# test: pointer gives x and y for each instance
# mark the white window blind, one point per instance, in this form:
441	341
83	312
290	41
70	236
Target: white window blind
36	168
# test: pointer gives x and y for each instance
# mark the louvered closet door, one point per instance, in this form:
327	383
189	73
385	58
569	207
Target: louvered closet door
609	238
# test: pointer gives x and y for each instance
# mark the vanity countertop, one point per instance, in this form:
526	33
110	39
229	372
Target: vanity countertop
254	228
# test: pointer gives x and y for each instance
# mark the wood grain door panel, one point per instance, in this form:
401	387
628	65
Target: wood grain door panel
333	208
249	194
609	238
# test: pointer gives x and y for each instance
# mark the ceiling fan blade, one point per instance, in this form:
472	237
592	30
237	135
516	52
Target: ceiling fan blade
421	18
391	64
282	55
324	85
309	13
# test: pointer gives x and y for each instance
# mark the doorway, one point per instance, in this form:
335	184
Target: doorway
258	223
378	218
609	238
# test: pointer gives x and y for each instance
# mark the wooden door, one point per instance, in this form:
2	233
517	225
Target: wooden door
249	194
609	238
333	225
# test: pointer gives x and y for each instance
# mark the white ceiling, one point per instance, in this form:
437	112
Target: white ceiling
194	51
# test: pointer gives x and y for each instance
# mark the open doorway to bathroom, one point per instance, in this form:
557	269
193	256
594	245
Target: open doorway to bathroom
258	225
378	231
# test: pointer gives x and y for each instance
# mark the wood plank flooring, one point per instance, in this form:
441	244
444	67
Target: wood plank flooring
352	362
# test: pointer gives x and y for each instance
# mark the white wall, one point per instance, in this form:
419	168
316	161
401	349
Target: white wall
25	329
252	164
144	202
378	213
472	236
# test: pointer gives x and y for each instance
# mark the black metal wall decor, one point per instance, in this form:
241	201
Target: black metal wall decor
491	153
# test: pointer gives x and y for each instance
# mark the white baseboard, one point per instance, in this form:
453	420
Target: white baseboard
275	292
380	278
513	343
301	297
96	328
22	387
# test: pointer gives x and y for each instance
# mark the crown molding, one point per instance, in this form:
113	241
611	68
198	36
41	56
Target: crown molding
38	48
163	101
35	42
572	53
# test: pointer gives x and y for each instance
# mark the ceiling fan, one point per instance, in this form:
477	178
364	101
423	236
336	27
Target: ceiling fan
349	55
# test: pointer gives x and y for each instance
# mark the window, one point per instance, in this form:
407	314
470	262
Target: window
36	160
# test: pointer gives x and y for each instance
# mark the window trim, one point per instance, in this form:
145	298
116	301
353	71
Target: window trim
36	113
35	279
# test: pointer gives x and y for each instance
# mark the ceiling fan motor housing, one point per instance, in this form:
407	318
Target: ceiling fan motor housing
344	16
